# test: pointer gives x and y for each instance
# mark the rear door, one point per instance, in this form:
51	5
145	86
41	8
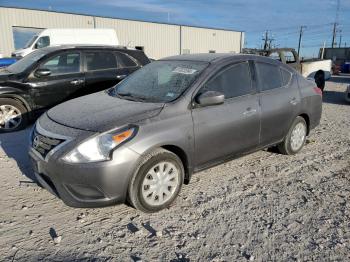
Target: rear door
100	71
232	127
65	79
279	99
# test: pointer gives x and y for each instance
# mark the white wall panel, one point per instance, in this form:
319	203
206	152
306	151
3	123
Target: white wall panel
159	40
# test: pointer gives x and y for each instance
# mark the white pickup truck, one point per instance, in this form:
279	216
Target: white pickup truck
319	70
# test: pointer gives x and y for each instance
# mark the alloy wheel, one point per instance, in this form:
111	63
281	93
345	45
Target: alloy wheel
10	117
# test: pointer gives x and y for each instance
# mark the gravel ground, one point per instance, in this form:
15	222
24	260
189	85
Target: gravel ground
262	207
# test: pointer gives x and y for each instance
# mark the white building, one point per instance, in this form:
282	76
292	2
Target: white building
156	39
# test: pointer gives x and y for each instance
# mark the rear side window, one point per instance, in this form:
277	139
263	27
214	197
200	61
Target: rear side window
275	56
232	82
289	57
286	76
100	61
125	60
270	76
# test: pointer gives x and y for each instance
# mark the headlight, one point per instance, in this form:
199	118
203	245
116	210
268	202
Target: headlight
99	148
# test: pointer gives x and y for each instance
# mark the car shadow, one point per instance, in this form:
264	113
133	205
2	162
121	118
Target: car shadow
15	146
334	97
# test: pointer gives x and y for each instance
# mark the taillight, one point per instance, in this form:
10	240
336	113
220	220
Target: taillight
318	91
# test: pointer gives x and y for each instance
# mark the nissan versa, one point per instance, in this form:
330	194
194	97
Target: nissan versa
142	139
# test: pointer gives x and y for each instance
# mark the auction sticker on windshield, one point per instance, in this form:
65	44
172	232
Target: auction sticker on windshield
186	71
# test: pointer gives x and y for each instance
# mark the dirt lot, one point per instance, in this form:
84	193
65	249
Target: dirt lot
262	207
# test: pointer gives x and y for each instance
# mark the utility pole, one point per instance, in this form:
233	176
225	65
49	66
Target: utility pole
340	36
334	34
335	23
267	40
300	36
324	46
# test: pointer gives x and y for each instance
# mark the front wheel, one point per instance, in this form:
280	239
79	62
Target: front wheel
295	139
157	181
13	115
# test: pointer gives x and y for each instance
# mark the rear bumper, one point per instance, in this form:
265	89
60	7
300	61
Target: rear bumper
347	94
87	185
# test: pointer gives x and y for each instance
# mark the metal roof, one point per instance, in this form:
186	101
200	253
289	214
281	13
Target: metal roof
126	19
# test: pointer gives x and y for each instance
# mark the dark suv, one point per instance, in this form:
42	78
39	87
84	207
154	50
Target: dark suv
52	75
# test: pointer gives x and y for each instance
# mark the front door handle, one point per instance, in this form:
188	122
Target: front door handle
77	82
249	112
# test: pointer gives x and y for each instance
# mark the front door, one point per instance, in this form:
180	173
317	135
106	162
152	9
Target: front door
65	78
230	128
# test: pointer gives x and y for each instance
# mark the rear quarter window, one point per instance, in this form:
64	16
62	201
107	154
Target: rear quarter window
125	60
286	76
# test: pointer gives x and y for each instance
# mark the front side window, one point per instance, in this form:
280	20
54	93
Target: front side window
232	82
100	61
65	63
43	41
159	81
270	76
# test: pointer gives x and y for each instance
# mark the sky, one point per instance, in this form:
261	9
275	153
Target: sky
282	18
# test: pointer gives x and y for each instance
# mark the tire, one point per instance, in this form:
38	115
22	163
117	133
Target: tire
287	147
8	105
147	179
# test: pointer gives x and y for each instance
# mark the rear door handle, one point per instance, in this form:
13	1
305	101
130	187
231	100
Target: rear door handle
249	112
77	82
121	77
293	101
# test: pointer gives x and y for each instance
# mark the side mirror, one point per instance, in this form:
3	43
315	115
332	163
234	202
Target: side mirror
210	98
41	72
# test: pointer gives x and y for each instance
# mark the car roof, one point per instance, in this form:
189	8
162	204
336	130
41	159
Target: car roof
67	47
217	57
203	57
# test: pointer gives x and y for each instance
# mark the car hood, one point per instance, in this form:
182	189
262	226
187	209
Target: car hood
101	112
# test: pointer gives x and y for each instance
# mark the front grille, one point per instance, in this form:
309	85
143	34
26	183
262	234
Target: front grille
43	144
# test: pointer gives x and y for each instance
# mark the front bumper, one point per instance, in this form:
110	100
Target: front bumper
89	184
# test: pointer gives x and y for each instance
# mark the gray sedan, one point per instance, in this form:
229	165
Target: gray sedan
141	140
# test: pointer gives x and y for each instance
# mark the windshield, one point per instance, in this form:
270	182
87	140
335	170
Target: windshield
22	64
159	81
31	41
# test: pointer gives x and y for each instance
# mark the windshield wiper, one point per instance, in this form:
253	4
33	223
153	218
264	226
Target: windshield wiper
131	97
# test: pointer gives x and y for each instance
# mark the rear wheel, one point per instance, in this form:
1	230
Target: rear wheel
295	139
157	181
13	115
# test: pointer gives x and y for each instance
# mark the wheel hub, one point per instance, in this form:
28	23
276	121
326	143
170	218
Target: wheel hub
298	136
160	183
10	117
